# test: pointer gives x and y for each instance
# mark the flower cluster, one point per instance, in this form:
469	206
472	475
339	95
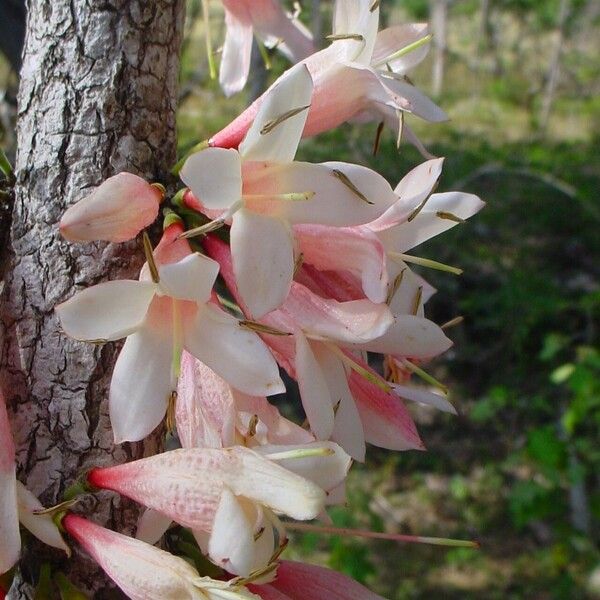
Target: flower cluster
313	276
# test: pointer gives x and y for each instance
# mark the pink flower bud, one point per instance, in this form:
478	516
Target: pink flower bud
114	212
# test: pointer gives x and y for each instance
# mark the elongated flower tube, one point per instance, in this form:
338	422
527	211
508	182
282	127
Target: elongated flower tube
116	211
360	76
17	504
271	24
300	581
263	192
144	572
187	484
160	318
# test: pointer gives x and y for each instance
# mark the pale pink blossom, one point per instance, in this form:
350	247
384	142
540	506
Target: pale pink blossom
160	318
321	355
116	211
271	24
303	581
144	572
360	77
17	504
263	192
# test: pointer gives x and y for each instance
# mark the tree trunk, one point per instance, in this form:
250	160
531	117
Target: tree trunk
438	11
97	96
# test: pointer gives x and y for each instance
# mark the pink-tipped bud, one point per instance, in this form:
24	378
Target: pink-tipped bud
114	212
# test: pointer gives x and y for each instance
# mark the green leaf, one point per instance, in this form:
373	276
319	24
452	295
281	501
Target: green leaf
68	591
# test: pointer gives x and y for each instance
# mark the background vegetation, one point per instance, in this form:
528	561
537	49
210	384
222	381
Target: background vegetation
519	469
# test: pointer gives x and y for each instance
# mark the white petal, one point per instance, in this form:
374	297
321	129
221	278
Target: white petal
407	97
152	525
334	201
424	396
347	430
107	311
314	392
42	526
292	91
232	543
237	49
141	383
215	177
356	17
189	279
407	289
428	223
262	250
326	471
410	336
392	39
239	356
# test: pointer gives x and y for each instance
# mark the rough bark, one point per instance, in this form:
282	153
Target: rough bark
97	96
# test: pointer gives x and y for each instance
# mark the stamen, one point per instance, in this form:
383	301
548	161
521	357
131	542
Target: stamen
211	60
425	262
346	181
260	328
452	322
300	453
170	421
396	537
448	215
264	55
270	125
395	286
417	302
57	508
374	6
202	230
400	127
291	196
370	377
252	426
378	138
258	534
404	51
149	252
424	375
298	263
417	210
345	36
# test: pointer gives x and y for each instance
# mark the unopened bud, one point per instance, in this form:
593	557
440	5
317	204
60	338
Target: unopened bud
114	212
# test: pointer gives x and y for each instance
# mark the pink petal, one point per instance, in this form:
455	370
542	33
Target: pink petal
205	409
354	249
300	581
386	421
152	525
116	211
186	484
171	248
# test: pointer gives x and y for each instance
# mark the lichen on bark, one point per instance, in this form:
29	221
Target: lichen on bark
98	96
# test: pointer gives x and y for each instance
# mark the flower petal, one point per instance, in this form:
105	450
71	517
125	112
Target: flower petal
237	49
152	525
343	194
263	260
107	311
192	278
407	97
386	421
141	384
424	396
215	177
356	18
392	39
237	355
273	136
42	526
410	336
314	392
186	484
354	249
239	542
300	581
205	409
356	321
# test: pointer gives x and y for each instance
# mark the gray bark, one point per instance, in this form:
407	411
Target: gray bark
97	96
